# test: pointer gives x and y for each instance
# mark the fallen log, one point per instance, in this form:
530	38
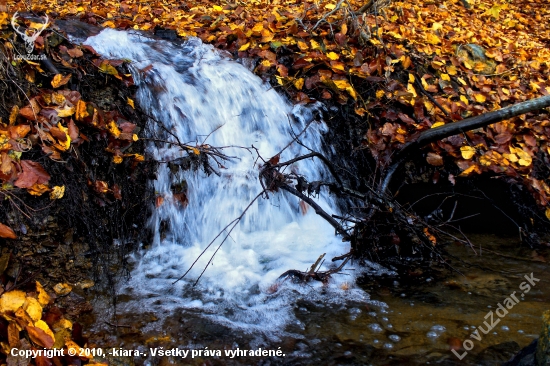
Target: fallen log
438	133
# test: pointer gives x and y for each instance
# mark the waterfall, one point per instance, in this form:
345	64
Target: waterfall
203	96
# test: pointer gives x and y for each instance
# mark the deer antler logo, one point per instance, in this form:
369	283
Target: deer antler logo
29	40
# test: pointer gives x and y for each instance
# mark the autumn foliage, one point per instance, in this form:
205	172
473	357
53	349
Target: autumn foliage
402	67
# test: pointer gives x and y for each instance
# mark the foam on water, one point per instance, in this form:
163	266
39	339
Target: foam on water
194	90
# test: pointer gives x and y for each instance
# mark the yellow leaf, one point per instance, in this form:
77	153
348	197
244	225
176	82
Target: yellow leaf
468	171
135	137
244	47
57	192
109	24
437	26
467	152
12	300
62	324
81	110
380	94
117	159
412	90
330	6
195	151
315	45
109	69
63	145
60	80
411	78
33	308
62	288
13	115
333	56
451	70
547	213
65	111
464	100
74	349
113	129
43	297
445	77
217	8
138	157
524	157
299	83
480	98
461	81
437	124
302	46
258	27
131	103
432	39
345	85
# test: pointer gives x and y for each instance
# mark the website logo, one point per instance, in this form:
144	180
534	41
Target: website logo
35	30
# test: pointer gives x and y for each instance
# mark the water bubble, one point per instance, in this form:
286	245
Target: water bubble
384	319
521	331
431	334
347	353
505	328
388	345
394	337
375	328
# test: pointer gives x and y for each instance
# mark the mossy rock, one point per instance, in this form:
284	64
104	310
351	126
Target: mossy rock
543	348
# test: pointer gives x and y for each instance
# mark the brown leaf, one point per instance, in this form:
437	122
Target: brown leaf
7	232
42	361
13	336
101	186
73	130
75	52
33	173
39	337
274	160
19	131
434	159
403	117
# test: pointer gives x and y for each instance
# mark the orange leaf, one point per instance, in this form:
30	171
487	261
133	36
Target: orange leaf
7	232
60	80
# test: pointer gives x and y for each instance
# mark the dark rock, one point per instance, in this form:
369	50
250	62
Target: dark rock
525	357
497	354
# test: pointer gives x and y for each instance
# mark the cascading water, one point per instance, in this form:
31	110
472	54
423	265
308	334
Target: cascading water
199	95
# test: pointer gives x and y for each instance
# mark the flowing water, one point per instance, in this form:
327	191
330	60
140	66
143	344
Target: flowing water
204	97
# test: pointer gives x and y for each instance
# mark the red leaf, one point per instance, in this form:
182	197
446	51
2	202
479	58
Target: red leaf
73	130
33	173
7	232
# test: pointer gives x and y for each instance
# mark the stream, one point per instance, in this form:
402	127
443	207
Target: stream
365	315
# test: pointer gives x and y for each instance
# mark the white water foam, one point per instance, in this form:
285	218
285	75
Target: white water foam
194	90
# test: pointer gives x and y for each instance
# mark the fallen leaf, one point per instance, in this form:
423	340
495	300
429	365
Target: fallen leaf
12	300
60	80
7	232
57	192
33	308
33	173
40	337
62	289
467	152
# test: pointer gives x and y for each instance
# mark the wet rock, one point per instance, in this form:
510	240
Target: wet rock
497	354
525	357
